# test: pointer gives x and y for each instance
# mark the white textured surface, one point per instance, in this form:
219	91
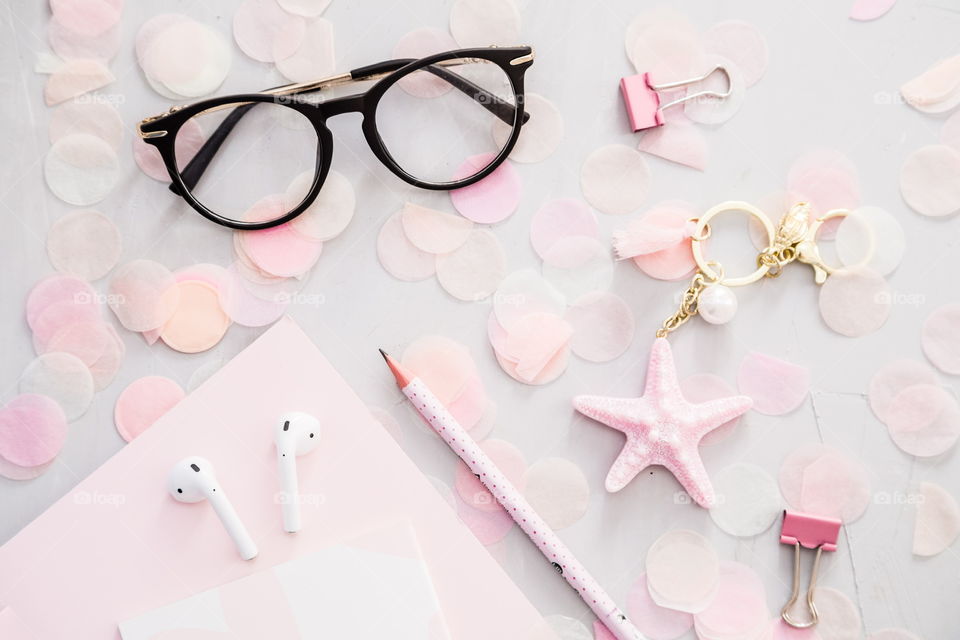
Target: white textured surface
831	82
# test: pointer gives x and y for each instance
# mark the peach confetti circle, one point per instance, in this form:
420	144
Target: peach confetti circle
199	322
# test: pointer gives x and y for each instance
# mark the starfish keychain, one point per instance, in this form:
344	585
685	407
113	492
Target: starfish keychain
661	426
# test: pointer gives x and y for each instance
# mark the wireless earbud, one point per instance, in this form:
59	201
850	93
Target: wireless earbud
192	480
297	433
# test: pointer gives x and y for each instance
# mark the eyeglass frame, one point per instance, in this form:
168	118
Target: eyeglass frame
161	130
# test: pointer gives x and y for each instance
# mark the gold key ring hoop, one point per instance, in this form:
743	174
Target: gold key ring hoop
696	242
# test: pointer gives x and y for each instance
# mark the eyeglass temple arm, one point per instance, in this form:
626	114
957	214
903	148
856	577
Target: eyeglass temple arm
502	109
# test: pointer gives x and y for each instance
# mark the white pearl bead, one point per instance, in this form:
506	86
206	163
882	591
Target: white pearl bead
717	304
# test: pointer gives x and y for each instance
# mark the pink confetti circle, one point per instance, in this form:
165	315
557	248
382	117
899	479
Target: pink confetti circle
675	262
143	402
475	269
84	243
855	302
893	378
444	365
559	219
940	337
823	480
776	386
930	180
739	610
683	571
12	471
489	527
491	200
615	179
188	142
57	289
603	326
33	429
400	257
143	295
741	43
827	179
281	250
88	17
420	43
471	405
924	420
265	32
434	231
654	621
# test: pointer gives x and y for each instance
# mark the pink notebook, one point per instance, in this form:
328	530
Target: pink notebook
92	560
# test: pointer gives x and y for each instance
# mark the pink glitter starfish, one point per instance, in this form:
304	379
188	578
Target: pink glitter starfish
662	427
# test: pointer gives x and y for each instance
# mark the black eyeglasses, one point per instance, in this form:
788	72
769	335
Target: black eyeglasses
440	122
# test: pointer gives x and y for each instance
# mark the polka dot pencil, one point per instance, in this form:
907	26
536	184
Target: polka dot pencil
552	548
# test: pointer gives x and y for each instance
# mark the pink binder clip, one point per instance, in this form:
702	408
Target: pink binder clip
642	98
810	532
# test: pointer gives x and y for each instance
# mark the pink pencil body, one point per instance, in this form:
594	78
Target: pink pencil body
515	504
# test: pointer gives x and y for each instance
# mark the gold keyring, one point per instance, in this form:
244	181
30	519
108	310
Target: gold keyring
810	252
704	264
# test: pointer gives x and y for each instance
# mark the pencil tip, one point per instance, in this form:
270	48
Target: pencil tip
383	353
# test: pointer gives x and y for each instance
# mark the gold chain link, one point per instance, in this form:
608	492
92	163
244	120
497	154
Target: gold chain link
688	305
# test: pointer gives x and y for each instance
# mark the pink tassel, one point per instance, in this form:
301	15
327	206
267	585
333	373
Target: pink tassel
642	239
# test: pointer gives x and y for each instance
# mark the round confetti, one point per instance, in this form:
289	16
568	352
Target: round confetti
741	43
434	231
188	58
940	337
522	293
57	316
748	500
491	200
540	135
825	178
676	261
924	420
871	237
57	289
12	471
893	378
615	179
444	365
489	527
475	269
930	180
782	631
305	8
776	386
507	458
247	309
938	520
189	140
682	142
62	377
94	118
654	621
578	265
86	339
81	169
315	57
142	295
665	43
84	243
560	219
739	609
855	302
69	44
839	617
74	78
88	17
401	258
683	571
550	371
330	213
33	429
199	322
534	342
143	402
603	326
557	490
108	364
481	23
471	405
280	250
265	32
822	480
